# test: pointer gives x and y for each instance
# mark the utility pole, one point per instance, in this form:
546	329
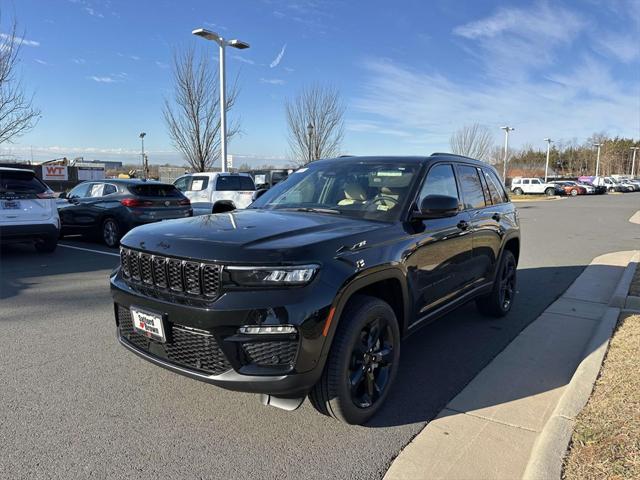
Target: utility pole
506	129
144	171
546	165
310	132
633	162
599	145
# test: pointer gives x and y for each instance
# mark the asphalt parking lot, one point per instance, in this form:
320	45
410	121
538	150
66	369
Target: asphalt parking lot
75	404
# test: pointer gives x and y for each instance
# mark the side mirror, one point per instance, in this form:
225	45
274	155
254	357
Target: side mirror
257	194
63	195
437	206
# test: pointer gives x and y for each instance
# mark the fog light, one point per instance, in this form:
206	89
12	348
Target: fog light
266	329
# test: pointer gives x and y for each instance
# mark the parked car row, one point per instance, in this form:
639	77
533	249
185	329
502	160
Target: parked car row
583	186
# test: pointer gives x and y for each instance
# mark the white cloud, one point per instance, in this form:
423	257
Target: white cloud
20	40
431	107
623	46
162	64
278	59
79	61
112	78
41	62
215	26
102	79
242	59
517	40
272	81
93	12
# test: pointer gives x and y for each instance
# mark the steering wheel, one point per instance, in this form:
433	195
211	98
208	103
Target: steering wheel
385	200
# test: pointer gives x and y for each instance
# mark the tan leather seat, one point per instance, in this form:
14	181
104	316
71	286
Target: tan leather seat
353	194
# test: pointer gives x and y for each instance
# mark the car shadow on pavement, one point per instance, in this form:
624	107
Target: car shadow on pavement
21	266
439	360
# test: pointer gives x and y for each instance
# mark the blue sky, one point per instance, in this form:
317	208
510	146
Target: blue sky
410	72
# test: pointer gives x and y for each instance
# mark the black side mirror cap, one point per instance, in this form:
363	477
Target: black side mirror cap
258	193
437	206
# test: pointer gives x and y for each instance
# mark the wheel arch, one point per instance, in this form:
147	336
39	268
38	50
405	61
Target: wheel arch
221	206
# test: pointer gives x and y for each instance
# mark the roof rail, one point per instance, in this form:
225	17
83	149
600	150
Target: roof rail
452	155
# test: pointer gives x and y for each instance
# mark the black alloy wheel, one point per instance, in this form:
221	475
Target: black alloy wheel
362	363
111	232
499	302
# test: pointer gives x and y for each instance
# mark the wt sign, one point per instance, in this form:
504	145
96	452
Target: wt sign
54	172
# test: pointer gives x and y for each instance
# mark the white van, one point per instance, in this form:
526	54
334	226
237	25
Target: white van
216	192
28	210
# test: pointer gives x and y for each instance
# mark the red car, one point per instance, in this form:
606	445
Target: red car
572	188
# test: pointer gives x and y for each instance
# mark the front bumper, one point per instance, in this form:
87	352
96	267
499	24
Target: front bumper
203	342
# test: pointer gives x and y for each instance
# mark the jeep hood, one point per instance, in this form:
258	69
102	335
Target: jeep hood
263	236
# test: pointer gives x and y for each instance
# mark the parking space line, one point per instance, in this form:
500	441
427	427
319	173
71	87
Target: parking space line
89	250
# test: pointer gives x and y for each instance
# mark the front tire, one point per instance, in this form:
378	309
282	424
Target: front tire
518	191
549	192
499	302
111	233
574	192
362	364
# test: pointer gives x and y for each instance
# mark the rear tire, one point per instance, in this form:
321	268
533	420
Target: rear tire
111	232
499	302
518	191
574	192
47	245
362	363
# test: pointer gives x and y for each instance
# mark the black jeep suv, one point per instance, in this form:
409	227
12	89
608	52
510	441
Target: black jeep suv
310	290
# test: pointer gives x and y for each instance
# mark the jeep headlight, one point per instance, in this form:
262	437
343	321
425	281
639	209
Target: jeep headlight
272	276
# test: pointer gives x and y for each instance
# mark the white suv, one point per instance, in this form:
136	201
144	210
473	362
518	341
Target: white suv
28	210
521	186
216	192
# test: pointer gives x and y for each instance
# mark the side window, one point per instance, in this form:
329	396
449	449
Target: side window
440	181
525	182
535	181
96	190
516	182
198	184
485	188
471	187
79	191
182	183
227	183
109	189
494	190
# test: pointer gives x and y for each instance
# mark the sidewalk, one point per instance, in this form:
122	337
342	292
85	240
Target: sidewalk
490	428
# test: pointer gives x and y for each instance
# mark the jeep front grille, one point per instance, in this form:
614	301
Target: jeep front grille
171	275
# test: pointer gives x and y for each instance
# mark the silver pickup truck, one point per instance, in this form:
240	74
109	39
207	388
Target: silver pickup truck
216	192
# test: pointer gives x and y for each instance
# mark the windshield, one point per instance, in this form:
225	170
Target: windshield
370	190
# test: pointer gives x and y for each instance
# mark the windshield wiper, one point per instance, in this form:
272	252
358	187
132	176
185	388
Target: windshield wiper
318	210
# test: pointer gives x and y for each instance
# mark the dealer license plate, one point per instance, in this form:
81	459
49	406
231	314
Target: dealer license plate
148	323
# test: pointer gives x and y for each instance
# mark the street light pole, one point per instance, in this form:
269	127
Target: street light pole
144	172
546	165
598	158
310	132
222	43
506	129
633	162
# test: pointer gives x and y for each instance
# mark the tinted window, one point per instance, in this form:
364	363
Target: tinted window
246	183
485	188
20	183
197	184
227	182
471	187
526	182
494	190
109	189
79	191
440	181
535	181
155	190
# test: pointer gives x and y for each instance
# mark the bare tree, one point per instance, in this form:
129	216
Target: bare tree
17	114
193	117
315	123
475	141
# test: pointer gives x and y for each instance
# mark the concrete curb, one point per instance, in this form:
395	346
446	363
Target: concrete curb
547	455
635	218
620	295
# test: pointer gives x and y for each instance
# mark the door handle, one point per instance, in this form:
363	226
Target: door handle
463	225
